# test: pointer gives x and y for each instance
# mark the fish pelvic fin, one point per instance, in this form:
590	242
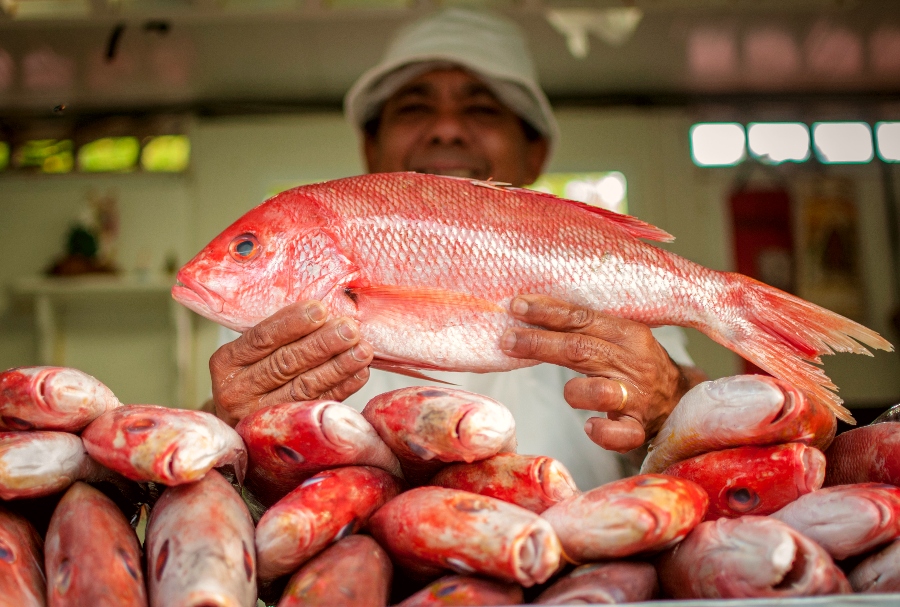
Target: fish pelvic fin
405	369
785	335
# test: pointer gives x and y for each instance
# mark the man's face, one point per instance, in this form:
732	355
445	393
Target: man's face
447	122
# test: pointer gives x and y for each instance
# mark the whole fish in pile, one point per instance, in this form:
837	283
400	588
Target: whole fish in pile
499	520
870	454
51	398
603	583
753	480
428	266
22	582
92	554
428	427
169	446
352	572
641	514
290	442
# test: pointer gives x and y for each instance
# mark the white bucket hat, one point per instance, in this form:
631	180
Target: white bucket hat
492	48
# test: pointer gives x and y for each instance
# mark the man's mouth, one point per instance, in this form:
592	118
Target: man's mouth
452	172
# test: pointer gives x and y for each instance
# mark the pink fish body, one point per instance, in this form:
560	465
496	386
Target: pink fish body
603	583
428	265
430	529
354	572
92	554
879	572
290	442
870	454
748	557
532	482
33	464
636	515
200	547
324	508
739	411
848	519
22	581
163	445
51	398
428	427
465	591
753	480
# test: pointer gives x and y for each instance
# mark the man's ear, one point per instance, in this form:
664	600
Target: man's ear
535	157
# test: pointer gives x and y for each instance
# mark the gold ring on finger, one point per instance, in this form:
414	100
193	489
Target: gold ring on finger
624	394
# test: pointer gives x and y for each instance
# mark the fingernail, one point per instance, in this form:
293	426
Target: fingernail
346	331
508	340
519	306
358	353
316	312
588	426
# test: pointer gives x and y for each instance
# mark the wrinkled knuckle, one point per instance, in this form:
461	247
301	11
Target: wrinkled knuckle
579	349
260	338
302	388
581	317
285	363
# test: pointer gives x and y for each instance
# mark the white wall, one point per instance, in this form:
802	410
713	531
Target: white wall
236	162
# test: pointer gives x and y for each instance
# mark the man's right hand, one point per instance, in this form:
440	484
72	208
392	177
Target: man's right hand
296	354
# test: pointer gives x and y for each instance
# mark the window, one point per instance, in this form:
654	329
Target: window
608	190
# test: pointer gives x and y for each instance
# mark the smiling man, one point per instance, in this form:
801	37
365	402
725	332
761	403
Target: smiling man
456	94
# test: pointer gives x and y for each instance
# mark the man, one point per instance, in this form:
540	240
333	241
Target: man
456	95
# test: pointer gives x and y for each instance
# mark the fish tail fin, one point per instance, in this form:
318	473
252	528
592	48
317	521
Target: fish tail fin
785	335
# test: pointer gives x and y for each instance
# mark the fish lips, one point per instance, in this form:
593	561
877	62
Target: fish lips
194	295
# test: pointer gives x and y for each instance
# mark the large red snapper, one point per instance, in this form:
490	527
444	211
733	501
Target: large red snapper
870	454
738	411
163	445
637	515
326	507
753	480
428	427
430	529
748	557
846	520
530	481
22	581
51	398
290	442
92	554
200	547
33	464
428	266
353	572
603	583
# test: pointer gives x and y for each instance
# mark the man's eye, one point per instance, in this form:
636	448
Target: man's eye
413	108
483	110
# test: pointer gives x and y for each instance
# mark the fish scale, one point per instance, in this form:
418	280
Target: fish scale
428	266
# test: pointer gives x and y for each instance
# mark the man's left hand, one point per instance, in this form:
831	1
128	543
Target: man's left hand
630	376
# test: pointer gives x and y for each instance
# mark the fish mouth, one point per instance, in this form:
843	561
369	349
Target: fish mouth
536	556
482	431
556	482
813	462
188	291
341	426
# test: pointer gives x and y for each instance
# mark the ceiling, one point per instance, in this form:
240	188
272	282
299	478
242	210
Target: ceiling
223	56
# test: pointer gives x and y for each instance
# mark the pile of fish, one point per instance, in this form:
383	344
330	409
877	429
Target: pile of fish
421	499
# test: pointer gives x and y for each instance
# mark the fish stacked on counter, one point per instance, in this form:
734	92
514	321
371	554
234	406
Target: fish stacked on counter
421	500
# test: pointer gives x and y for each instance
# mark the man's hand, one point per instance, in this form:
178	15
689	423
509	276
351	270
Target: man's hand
296	354
629	374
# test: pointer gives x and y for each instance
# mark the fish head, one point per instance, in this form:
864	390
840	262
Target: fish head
277	253
553	478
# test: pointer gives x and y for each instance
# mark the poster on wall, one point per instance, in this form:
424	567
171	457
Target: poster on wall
827	230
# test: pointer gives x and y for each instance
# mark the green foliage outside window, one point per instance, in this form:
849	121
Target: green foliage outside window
46	155
109	154
166	153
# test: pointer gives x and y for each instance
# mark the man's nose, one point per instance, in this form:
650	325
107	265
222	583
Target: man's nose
448	128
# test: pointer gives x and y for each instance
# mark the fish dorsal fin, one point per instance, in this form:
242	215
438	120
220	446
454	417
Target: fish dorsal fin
632	225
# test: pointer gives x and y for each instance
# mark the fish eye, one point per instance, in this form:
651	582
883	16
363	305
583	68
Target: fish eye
743	499
244	248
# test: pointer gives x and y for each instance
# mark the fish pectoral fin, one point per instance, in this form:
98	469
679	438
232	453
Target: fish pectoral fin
401	302
405	369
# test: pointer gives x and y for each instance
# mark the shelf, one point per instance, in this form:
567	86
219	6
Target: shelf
92	286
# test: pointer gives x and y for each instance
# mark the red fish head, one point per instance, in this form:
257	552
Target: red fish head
276	254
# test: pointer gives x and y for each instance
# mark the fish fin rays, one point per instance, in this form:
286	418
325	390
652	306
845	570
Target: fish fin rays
405	369
785	336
